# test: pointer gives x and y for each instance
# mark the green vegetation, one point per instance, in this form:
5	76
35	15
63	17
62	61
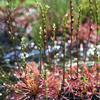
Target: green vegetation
46	45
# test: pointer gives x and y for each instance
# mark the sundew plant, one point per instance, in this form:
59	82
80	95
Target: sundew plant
49	50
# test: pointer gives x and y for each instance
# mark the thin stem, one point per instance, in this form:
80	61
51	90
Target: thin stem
64	53
71	30
90	23
40	59
54	40
91	14
44	11
77	37
95	3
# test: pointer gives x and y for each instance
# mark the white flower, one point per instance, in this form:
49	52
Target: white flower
0	94
90	52
32	44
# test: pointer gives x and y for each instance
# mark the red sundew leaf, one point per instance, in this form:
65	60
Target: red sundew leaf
66	75
16	96
20	85
19	74
85	68
54	83
72	70
33	86
93	68
31	68
87	73
29	83
35	68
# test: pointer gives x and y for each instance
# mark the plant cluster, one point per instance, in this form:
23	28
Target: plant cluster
32	85
59	33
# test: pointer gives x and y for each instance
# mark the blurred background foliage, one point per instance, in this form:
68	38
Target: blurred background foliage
84	5
58	9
